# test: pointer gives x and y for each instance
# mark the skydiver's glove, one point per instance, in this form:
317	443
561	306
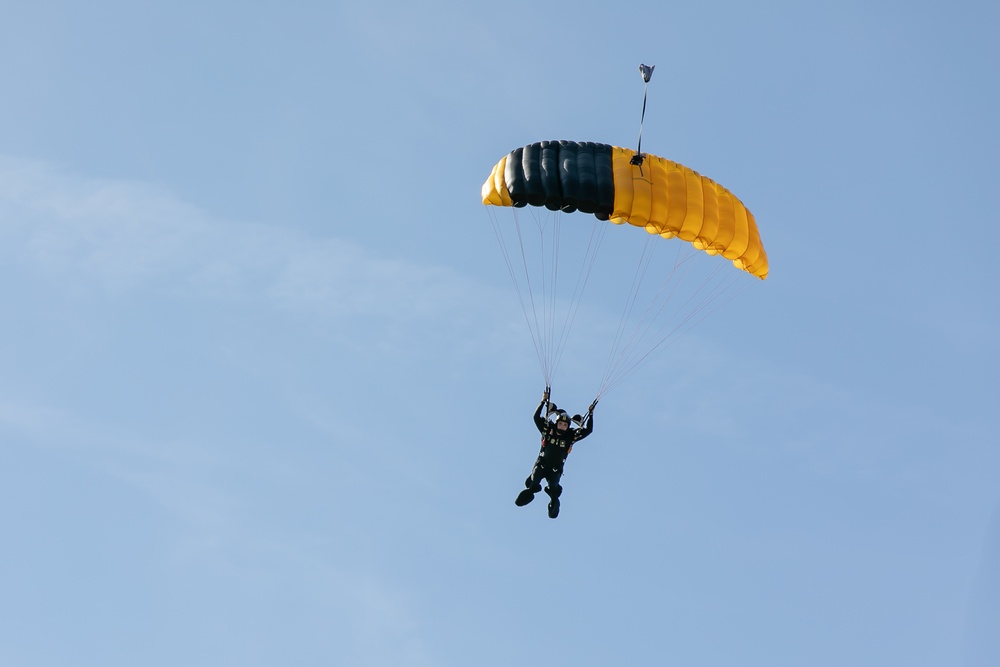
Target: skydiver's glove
592	406
545	395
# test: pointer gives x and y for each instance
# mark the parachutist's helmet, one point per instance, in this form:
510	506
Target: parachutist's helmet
562	418
578	419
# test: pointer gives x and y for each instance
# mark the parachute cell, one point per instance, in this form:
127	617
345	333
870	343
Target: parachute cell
659	195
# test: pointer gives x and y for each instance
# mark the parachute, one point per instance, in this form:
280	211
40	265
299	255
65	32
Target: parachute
621	186
553	179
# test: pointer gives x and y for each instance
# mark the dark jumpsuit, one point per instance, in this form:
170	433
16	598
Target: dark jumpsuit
556	446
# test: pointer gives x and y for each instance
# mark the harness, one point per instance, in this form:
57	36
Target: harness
561	442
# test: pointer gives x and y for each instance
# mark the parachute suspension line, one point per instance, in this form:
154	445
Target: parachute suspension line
666	333
658	326
717	294
540	313
653	309
535	271
544	312
597	232
720	293
560	317
617	351
532	327
549	298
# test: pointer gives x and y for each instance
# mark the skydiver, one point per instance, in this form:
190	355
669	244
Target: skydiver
558	438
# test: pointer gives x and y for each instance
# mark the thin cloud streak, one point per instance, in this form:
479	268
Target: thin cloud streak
105	240
123	237
217	532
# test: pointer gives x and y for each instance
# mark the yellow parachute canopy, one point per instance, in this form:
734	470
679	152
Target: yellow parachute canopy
659	195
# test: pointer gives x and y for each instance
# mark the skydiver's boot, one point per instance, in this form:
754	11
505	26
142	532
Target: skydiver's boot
528	494
524	498
554	493
554	508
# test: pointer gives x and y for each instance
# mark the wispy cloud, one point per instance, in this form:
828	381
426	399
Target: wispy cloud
107	239
122	236
215	530
167	473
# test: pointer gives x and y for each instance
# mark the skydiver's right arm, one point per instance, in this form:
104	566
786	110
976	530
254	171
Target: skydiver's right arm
539	419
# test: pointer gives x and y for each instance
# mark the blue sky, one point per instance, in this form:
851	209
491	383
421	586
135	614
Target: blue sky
265	387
